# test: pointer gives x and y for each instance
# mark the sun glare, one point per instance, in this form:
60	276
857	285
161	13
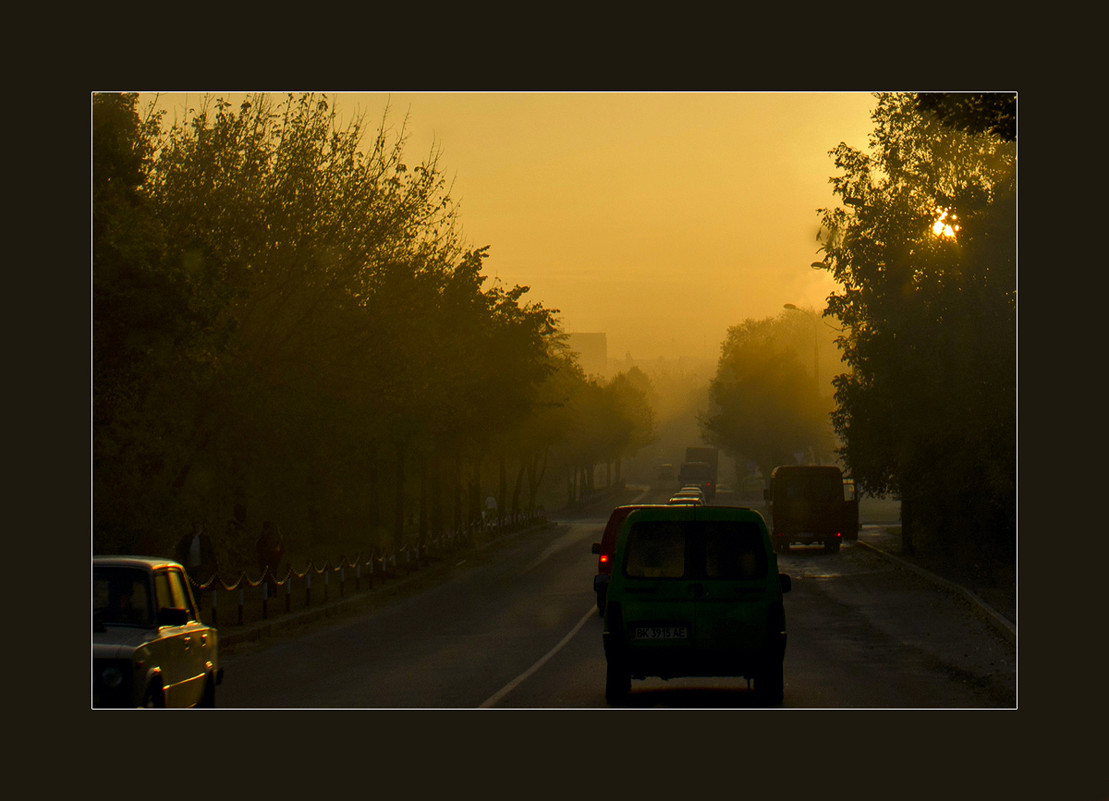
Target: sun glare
945	225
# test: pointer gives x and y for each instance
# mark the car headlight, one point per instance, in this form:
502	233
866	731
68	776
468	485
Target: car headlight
112	677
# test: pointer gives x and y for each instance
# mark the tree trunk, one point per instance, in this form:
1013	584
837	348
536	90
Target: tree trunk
423	523
502	492
515	508
907	525
398	498
475	492
374	491
436	491
456	493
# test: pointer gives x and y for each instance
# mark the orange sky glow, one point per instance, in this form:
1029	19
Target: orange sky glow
659	219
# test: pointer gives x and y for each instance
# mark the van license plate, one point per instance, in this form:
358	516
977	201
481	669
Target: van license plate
661	632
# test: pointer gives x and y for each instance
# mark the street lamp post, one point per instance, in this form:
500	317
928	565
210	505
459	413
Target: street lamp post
815	344
815	360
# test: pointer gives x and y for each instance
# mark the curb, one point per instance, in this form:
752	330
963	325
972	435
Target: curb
999	621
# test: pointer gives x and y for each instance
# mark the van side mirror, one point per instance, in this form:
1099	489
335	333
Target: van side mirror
786	582
596	547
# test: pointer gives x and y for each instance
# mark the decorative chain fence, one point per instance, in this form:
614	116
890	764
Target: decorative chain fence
249	600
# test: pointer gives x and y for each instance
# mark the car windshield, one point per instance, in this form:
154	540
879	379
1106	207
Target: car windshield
121	597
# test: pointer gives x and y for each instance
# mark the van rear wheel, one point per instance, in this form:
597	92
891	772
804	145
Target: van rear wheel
770	685
618	683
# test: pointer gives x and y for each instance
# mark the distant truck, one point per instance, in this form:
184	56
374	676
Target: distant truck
698	474
811	503
710	455
701	467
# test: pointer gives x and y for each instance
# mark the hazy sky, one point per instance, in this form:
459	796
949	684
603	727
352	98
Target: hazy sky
660	219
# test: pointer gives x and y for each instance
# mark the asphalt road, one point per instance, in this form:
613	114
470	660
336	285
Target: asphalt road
515	626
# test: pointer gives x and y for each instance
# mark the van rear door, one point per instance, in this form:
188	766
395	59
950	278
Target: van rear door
732	598
657	602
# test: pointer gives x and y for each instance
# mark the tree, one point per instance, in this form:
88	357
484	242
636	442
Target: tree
926	262
247	294
991	112
153	332
286	322
762	403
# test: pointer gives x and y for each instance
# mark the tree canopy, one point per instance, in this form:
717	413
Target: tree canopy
764	405
286	321
924	253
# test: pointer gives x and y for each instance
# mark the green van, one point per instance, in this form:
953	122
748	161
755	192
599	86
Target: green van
695	591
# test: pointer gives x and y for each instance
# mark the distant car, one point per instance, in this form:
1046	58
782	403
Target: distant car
684	500
666	472
607	547
687	496
694	490
149	645
695	591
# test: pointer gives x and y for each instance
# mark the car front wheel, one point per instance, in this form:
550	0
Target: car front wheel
208	699
154	697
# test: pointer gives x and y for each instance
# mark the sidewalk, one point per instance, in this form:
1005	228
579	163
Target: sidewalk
995	599
384	589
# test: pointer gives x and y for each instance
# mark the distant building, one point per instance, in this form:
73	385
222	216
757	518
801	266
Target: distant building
592	350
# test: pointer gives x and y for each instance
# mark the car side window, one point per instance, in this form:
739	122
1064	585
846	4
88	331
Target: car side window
161	590
170	590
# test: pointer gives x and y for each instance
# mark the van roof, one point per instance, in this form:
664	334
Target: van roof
694	512
805	468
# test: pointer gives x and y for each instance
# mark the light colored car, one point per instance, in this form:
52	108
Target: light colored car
693	488
688	495
149	645
684	500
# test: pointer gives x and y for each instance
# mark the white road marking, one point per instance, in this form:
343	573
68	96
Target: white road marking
563	542
516	682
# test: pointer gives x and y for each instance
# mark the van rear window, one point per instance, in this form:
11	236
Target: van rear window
815	485
707	549
656	550
734	551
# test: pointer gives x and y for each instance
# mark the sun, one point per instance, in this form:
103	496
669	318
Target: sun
945	224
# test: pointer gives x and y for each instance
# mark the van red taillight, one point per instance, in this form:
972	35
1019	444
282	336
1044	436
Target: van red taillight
604	558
